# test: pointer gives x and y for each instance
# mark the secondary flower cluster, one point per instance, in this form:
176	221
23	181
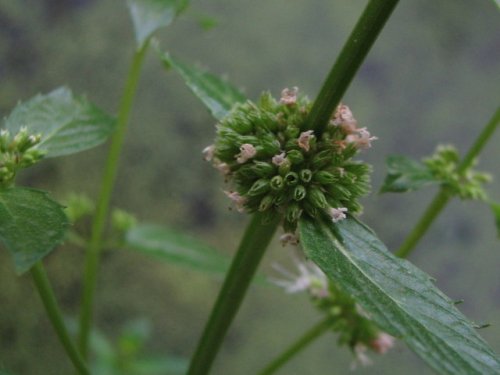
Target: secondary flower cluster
444	167
277	166
347	319
16	153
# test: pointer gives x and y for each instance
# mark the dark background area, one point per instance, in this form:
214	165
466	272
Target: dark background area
432	77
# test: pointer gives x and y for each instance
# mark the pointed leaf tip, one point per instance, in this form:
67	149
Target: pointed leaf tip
67	124
398	296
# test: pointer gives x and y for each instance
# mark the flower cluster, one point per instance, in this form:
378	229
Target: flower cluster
16	153
444	167
279	167
355	330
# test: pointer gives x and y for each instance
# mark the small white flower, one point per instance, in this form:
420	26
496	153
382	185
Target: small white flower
304	140
289	96
208	153
237	199
343	117
361	138
247	151
310	279
279	159
337	214
360	357
289	239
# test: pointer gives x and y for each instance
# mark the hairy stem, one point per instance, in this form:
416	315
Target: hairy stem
442	198
366	31
44	289
252	247
312	334
108	181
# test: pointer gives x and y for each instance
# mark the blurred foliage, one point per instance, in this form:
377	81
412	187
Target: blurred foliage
431	77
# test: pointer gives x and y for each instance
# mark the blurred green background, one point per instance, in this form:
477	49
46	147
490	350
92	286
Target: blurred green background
432	77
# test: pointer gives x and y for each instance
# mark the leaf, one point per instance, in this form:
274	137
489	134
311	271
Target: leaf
150	15
217	94
67	124
495	207
405	174
173	247
31	225
400	298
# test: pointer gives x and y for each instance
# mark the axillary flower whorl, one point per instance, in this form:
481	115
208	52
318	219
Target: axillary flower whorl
278	167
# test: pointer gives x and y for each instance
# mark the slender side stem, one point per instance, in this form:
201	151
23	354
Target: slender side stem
366	31
252	247
442	198
44	288
315	332
108	181
434	209
480	142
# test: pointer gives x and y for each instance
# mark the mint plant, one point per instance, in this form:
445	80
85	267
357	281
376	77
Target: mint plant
288	162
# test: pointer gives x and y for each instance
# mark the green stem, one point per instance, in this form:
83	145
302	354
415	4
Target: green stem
44	288
109	177
442	198
252	247
315	332
366	31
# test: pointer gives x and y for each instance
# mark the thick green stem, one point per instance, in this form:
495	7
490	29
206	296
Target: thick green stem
366	31
252	247
42	284
311	335
108	181
442	198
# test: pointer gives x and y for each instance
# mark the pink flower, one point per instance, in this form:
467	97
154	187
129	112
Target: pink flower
279	159
237	199
343	117
247	151
361	138
337	214
304	140
289	96
382	343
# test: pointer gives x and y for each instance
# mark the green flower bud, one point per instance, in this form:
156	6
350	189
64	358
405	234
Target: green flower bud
284	168
299	193
293	212
295	156
324	178
322	159
266	202
277	183
305	175
292	132
259	187
316	197
263	169
291	179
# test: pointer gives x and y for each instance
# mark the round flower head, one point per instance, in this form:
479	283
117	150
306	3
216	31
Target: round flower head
279	167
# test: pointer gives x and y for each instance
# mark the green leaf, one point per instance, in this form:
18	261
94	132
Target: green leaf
495	207
151	15
31	225
400	298
173	247
217	94
405	174
67	124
